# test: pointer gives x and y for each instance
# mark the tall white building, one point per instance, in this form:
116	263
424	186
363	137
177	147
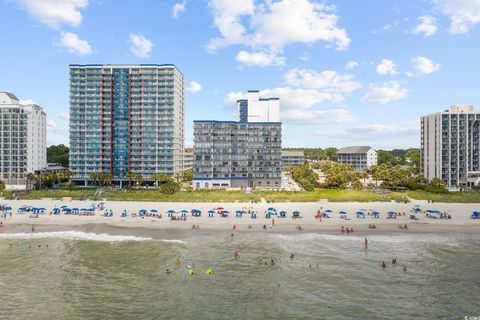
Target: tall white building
257	109
450	146
23	134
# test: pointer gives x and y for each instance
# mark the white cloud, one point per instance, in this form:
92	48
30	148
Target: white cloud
318	116
424	65
271	26
194	87
387	67
74	44
55	13
463	14
328	81
427	27
140	46
304	56
51	124
178	8
351	65
260	59
382	94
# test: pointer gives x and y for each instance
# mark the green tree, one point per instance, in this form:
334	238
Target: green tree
169	187
2	185
58	154
130	176
436	185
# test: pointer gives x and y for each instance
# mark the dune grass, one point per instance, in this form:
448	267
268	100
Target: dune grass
450	197
204	195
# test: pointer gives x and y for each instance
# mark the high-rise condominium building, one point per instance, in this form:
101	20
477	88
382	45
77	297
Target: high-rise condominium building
126	118
237	154
257	109
450	146
23	134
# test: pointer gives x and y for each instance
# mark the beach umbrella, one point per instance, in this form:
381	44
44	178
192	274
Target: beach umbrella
328	211
211	211
283	212
239	211
296	213
360	213
142	211
154	211
375	213
272	209
184	211
343	212
226	211
64	206
391	213
171	211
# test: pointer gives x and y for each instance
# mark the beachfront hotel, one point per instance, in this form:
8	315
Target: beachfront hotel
243	154
23	134
126	118
450	146
361	158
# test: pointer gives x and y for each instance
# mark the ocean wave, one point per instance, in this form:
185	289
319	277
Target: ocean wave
73	235
395	238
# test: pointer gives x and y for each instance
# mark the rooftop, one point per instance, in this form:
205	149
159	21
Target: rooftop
358	149
293	154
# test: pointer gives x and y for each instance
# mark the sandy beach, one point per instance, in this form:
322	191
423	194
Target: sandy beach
460	222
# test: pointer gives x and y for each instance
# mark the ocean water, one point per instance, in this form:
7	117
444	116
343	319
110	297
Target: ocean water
83	275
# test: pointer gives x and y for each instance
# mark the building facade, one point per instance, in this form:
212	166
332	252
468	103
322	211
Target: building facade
292	159
188	160
450	146
125	118
360	158
237	155
257	109
23	132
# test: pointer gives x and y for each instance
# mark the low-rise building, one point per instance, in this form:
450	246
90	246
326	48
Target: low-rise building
292	159
231	154
360	158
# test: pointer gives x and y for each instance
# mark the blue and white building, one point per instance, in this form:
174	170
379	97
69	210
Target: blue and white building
243	154
126	118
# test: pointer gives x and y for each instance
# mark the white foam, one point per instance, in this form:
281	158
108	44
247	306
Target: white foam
396	238
71	235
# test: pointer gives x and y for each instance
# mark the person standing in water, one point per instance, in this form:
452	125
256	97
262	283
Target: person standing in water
177	263
366	243
236	255
33	228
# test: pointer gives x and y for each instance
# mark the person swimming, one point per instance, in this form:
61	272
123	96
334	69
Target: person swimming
384	265
209	271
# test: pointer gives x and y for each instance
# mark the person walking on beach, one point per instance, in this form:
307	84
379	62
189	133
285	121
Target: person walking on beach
33	228
366	243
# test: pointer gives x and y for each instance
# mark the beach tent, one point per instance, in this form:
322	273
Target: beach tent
376	214
360	214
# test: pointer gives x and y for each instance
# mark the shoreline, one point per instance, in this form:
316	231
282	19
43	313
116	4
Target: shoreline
460	222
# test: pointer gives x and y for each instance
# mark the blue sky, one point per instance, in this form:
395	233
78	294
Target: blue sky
347	72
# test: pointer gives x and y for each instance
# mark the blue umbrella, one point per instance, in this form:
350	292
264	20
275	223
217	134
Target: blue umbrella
211	211
296	212
343	212
226	211
283	212
375	213
272	209
184	211
171	211
329	211
143	211
360	213
154	211
239	211
391	213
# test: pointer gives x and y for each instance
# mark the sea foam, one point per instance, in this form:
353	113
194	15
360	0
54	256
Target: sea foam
73	235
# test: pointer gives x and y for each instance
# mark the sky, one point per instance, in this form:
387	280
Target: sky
346	72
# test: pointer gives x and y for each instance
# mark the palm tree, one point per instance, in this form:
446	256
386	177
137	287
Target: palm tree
95	176
130	176
30	179
160	177
139	179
